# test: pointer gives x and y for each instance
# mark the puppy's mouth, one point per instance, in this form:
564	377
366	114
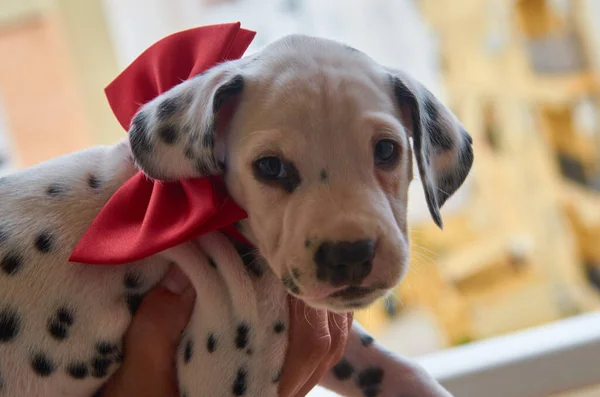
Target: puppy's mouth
353	293
347	298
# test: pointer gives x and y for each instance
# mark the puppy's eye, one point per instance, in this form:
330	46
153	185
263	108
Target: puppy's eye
276	172
385	153
270	168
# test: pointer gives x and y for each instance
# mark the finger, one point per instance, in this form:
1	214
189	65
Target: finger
152	339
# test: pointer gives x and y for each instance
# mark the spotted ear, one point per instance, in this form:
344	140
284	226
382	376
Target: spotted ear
442	147
173	136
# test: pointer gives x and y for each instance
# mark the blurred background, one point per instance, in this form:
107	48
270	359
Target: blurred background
521	245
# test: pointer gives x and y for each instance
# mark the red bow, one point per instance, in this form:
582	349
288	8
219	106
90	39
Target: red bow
143	218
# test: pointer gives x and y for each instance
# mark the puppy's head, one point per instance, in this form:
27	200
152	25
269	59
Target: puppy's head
314	139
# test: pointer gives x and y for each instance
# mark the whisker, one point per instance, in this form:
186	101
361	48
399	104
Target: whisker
423	248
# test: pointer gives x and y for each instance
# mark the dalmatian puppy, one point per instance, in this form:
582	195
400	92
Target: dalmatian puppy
313	139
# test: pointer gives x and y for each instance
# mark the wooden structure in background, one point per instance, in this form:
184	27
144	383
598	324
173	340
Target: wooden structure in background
515	257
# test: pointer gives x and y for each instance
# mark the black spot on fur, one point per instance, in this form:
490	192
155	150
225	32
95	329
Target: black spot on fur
211	343
44	242
11	263
78	370
369	381
58	330
212	263
65	315
296	273
466	135
290	284
279	327
119	355
252	263
105	348
10	325
239	384
42	365
138	135
226	91
93	182
133	302
277	377
202	167
188	351
404	96
168	134
324	175
208	139
249	352
56	189
307	243
437	136
167	108
100	366
132	280
343	370
366	340
241	338
59	323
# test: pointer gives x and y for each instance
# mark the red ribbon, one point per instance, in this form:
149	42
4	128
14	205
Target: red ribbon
144	217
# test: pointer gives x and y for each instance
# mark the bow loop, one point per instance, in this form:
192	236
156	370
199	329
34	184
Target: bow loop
143	217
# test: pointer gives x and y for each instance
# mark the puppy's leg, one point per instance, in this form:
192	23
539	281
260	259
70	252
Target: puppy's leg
367	369
236	340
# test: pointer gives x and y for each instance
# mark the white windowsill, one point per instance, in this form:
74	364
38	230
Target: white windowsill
538	362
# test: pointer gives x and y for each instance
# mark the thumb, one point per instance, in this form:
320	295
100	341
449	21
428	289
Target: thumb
151	341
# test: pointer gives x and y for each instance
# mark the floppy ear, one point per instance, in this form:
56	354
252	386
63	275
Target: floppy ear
173	136
442	147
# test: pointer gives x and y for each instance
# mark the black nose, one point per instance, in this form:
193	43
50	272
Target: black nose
345	262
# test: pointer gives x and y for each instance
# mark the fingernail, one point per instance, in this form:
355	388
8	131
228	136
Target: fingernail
175	280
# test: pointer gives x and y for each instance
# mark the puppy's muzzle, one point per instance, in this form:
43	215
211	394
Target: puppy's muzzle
345	262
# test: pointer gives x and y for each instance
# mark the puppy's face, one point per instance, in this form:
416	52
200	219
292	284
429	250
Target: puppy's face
313	140
320	161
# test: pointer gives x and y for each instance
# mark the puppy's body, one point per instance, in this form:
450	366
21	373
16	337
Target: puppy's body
314	137
61	323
